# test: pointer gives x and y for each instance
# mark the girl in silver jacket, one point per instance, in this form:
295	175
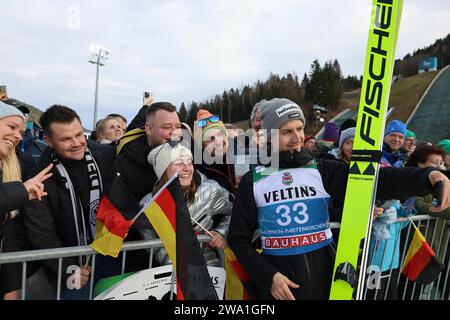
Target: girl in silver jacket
208	203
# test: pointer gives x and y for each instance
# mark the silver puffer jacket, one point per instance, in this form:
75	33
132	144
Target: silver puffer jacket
210	200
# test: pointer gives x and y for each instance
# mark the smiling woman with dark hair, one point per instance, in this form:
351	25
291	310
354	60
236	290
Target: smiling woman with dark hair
426	155
208	203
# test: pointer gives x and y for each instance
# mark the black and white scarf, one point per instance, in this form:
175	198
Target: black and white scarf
84	235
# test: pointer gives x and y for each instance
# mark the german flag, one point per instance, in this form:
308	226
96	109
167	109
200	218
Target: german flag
169	216
112	227
421	265
236	276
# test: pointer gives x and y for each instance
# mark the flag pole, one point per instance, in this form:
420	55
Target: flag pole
153	198
412	222
87	261
208	232
204	229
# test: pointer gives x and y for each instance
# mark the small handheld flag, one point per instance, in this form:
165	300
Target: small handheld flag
112	226
421	265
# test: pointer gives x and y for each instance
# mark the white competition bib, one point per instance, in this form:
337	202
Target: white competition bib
292	210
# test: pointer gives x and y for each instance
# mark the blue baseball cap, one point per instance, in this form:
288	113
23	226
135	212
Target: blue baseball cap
396	126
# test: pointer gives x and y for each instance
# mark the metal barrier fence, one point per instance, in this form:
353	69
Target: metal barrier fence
381	284
25	257
386	258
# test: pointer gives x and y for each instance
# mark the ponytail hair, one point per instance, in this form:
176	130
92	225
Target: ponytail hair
11	171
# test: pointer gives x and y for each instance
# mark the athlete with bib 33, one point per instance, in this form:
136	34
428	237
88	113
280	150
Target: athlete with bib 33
291	203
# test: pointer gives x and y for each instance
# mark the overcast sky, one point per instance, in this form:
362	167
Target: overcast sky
184	50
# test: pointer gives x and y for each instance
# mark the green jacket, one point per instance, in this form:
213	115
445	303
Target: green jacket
423	204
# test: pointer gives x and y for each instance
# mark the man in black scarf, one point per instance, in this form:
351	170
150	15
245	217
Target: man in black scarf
67	216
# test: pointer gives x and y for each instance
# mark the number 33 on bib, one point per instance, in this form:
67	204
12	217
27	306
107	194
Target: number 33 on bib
292	209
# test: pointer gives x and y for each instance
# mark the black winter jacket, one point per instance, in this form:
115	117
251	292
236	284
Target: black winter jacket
134	169
13	232
222	173
312	271
13	196
139	120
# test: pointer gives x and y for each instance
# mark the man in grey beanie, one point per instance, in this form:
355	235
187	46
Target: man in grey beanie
278	112
292	203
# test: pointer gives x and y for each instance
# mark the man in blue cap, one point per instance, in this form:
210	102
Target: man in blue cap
394	137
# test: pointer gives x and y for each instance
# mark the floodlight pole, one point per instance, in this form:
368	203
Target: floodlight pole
96	89
100	55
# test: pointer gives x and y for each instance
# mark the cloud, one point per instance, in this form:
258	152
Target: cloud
184	50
